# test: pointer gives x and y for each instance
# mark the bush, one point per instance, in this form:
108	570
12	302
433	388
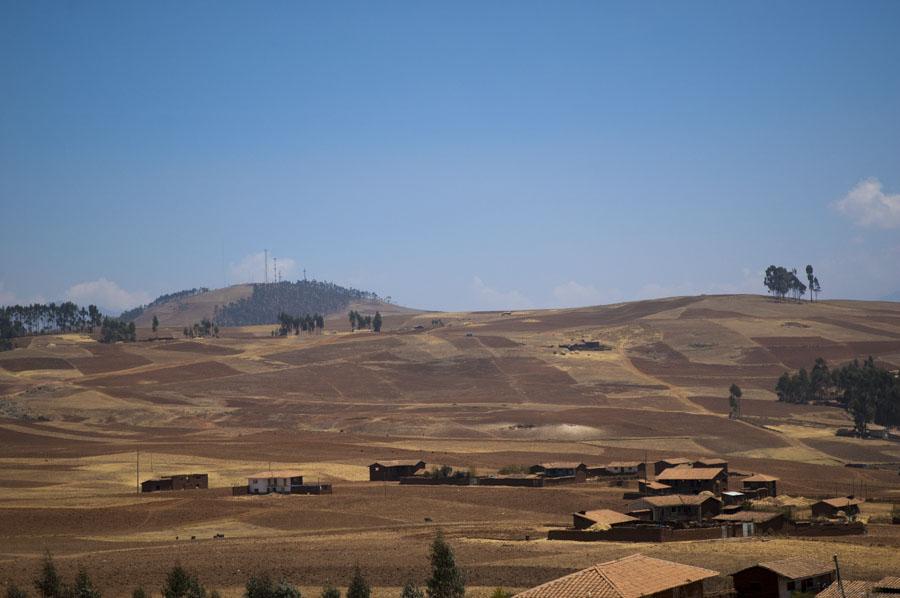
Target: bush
139	593
261	586
48	583
84	587
331	592
181	584
411	591
501	593
359	587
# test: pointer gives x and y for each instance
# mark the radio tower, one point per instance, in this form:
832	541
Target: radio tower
275	268
267	266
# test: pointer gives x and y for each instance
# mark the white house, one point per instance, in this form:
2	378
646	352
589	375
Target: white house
266	482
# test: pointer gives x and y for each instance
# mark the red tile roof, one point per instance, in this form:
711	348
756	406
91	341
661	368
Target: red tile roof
798	567
629	577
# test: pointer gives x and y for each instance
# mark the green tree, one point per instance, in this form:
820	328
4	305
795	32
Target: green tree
181	584
734	401
139	593
446	579
48	583
331	592
84	587
811	279
352	315
501	593
410	590
359	587
155	324
376	322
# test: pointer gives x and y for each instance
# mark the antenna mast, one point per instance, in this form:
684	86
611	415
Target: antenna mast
275	267
266	279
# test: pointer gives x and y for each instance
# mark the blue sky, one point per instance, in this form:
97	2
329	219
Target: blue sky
460	155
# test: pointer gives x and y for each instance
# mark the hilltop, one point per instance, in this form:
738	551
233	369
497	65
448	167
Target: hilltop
252	304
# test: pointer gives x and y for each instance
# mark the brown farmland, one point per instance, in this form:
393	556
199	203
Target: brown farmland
484	391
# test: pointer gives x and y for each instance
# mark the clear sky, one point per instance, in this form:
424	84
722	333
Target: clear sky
455	155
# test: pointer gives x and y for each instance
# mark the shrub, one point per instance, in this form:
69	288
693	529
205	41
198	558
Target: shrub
411	591
359	587
181	584
48	583
331	592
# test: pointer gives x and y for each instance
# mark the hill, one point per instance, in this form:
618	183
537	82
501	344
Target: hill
254	304
482	390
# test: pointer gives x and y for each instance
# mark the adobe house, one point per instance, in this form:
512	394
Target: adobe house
712	462
627	577
280	482
694	480
561	470
185	481
763	522
652	488
675	508
831	507
760	485
604	518
780	579
625	468
392	471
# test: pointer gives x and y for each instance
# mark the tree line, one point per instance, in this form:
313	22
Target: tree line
782	282
867	391
359	321
48	318
311	323
446	581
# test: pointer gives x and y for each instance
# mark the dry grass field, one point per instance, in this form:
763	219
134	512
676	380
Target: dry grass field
484	391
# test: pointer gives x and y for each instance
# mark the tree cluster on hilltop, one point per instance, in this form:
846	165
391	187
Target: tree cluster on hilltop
45	318
782	282
868	392
301	297
132	314
311	323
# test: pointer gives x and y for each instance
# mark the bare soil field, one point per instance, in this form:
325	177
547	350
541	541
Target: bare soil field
483	391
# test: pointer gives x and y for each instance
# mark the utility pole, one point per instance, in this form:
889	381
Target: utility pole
304	274
837	569
137	470
275	259
267	266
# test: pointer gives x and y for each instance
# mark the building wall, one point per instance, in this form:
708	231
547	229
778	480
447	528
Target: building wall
627	533
391	473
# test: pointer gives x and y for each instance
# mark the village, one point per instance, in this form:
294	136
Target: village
668	500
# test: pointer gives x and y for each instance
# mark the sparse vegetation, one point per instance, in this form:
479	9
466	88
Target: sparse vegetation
201	329
330	592
359	321
130	315
410	590
262	586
